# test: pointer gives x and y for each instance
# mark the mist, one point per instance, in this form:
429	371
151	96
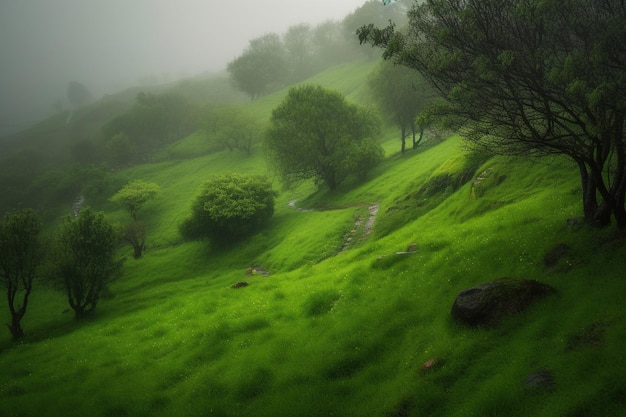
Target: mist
114	44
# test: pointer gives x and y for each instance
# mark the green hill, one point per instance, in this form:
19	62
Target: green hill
345	322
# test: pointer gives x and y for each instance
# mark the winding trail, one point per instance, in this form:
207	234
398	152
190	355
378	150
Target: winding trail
367	227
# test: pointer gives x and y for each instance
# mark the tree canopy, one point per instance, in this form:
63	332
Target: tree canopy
85	260
315	133
261	67
529	77
134	195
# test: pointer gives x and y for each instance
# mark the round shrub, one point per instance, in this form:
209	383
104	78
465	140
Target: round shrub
230	207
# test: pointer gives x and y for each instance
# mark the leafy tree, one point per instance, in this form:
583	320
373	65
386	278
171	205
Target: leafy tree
232	127
134	195
330	45
261	68
86	259
297	42
135	235
20	257
529	78
229	207
77	94
316	133
402	94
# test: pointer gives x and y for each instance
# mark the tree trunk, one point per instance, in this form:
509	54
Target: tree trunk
416	143
403	139
16	329
590	203
16	314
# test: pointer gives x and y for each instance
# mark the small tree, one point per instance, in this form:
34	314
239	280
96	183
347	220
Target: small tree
402	93
316	133
20	257
232	127
134	195
135	235
86	259
230	207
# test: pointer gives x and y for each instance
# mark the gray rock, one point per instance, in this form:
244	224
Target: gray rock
542	380
486	304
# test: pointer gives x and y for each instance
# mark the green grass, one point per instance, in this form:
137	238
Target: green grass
332	332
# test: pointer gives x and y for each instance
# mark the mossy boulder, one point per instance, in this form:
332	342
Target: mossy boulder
486	304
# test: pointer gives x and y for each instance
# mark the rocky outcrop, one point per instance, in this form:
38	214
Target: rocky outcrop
486	304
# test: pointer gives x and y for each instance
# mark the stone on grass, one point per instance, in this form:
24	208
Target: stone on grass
240	284
486	304
540	380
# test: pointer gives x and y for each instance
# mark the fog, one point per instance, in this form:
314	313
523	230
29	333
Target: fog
111	44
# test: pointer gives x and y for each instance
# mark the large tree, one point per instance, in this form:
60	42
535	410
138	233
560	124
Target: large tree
529	77
20	257
402	94
86	259
315	133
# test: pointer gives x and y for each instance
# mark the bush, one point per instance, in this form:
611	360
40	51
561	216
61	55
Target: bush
230	207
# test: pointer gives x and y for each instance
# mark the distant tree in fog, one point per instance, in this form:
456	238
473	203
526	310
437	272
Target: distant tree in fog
261	68
402	93
232	127
299	51
77	94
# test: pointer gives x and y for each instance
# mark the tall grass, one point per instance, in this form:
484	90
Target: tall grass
336	331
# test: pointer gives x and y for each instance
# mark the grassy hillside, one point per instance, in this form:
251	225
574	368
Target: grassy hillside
342	325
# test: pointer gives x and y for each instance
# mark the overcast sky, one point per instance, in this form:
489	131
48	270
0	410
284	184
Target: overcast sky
111	44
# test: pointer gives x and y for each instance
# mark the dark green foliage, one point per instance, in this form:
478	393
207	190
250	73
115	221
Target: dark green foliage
315	133
154	121
529	78
15	178
230	207
20	257
85	260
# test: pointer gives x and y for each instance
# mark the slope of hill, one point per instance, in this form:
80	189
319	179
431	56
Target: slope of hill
342	324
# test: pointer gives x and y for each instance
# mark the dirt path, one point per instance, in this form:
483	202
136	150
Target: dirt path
367	227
